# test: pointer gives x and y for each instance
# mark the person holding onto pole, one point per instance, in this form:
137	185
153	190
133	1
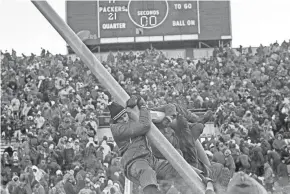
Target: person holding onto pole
140	166
187	127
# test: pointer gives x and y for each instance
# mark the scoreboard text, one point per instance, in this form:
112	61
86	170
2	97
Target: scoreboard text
153	20
131	18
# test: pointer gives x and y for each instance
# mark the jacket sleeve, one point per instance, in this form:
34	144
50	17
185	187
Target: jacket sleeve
133	129
191	117
168	109
182	122
184	131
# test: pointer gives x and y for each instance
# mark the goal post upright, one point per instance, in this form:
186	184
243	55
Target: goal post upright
107	80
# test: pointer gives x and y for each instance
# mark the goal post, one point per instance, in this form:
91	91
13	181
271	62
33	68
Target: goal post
107	80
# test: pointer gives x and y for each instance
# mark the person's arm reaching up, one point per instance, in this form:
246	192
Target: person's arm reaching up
134	129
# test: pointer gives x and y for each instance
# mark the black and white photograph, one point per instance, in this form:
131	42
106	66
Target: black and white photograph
145	96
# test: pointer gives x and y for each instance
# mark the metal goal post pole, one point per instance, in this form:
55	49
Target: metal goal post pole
107	80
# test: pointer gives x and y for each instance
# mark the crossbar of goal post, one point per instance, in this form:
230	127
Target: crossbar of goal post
106	79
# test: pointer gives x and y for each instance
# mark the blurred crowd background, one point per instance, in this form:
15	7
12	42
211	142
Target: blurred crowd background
50	104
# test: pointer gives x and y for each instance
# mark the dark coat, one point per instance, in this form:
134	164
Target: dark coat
257	158
188	129
219	157
169	134
131	138
265	147
193	120
187	142
68	154
244	160
69	188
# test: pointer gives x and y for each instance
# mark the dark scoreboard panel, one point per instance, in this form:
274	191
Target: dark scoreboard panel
147	18
113	21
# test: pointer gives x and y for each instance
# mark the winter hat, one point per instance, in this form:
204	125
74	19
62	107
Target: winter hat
9	150
227	152
109	96
110	182
58	172
279	135
170	110
116	110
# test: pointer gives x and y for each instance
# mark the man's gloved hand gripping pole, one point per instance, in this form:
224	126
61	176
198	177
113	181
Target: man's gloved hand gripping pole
135	101
106	79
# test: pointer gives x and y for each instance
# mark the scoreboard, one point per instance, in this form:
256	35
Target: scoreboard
113	21
149	18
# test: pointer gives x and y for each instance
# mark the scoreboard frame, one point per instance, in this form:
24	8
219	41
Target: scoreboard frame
205	37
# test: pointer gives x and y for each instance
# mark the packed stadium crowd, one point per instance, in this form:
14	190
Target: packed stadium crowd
50	104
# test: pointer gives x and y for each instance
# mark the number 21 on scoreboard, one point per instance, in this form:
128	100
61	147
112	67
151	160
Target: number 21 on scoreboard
112	16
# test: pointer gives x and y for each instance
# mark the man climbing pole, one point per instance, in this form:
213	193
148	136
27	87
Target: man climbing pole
187	128
140	166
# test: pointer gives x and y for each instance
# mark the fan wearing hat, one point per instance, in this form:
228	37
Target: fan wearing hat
229	161
140	166
130	136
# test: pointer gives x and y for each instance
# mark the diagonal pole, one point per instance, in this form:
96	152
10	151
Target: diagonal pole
106	79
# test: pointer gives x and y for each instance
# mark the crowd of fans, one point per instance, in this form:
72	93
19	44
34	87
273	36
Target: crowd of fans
50	104
253	116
